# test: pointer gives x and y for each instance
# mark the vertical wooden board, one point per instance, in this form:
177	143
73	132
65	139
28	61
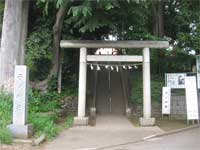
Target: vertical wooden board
166	100
191	98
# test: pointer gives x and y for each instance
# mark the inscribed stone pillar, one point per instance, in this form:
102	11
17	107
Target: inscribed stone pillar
20	128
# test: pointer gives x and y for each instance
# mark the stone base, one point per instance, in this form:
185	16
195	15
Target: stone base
92	117
128	112
147	121
21	131
80	121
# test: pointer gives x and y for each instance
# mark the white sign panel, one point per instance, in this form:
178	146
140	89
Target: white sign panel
20	95
198	70
166	97
175	80
191	98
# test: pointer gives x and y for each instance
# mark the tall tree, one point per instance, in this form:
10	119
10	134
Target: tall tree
11	52
57	32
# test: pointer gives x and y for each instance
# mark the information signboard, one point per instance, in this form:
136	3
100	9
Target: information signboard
175	80
166	97
198	70
191	98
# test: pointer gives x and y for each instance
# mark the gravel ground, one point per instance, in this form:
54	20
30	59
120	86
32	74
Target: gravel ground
19	147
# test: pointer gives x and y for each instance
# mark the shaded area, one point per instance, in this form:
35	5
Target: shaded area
107	91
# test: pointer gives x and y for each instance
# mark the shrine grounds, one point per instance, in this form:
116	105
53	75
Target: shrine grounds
44	111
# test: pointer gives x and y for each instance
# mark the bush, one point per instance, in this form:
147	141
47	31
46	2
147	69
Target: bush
157	82
5	109
44	102
39	53
44	124
69	121
41	114
5	136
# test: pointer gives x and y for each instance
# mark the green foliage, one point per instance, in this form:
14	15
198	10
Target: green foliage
69	121
1	15
5	136
44	124
44	102
157	82
5	117
5	109
39	52
52	84
42	114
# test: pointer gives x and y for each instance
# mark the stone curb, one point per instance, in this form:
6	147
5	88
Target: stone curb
33	142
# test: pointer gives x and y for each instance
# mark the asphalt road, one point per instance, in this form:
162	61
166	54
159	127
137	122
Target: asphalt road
186	140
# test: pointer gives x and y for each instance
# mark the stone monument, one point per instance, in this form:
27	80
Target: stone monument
19	127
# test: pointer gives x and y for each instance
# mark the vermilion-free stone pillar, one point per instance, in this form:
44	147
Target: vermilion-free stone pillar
146	120
20	127
81	119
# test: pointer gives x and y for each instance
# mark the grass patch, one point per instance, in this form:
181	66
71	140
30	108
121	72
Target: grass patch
166	124
69	121
5	136
5	110
44	124
5	117
39	106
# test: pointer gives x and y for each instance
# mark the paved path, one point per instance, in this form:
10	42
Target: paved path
110	100
186	140
110	130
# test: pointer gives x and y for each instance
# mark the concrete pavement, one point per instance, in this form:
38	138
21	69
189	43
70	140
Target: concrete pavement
110	130
185	140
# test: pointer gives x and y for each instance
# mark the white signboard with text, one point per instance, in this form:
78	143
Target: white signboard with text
198	70
166	97
191	98
175	80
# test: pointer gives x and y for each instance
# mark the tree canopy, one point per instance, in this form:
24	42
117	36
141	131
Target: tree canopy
52	20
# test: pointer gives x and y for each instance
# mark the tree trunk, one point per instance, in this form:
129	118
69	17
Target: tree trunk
25	12
57	30
158	29
11	42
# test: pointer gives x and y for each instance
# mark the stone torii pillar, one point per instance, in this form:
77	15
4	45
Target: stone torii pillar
146	120
81	119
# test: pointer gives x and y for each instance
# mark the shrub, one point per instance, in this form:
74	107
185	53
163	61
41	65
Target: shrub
5	136
157	82
44	124
39	53
69	121
40	104
5	109
43	102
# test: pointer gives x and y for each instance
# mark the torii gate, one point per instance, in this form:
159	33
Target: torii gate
81	118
